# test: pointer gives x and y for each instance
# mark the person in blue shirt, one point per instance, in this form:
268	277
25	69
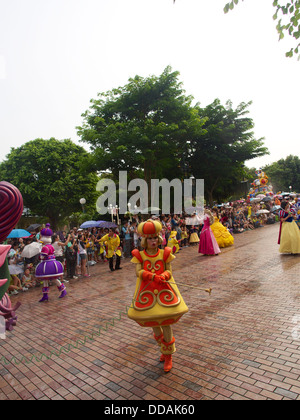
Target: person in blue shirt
127	240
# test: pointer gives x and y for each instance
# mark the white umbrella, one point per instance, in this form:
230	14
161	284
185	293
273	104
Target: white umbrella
31	250
151	210
14	269
262	212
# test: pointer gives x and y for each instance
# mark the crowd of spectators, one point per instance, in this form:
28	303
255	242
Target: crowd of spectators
78	249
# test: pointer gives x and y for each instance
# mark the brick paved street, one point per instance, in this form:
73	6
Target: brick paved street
241	342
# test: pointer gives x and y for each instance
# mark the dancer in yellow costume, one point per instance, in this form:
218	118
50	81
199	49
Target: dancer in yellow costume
172	242
221	233
112	241
157	302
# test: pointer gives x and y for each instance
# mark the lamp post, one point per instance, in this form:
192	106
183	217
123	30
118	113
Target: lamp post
129	210
82	201
117	214
111	211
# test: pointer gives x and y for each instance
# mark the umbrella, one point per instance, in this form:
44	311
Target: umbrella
265	199
191	210
33	227
19	233
260	196
275	208
255	200
89	224
31	250
103	224
262	212
151	210
14	269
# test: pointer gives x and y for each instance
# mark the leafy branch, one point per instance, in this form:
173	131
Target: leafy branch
291	25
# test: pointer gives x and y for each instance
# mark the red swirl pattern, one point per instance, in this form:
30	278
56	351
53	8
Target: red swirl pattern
11	208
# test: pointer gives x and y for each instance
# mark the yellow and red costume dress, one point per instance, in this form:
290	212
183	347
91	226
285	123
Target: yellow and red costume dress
156	302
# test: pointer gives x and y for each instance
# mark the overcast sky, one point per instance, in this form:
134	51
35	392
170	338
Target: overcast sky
57	55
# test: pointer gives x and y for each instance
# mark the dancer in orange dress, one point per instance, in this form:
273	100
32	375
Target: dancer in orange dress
157	302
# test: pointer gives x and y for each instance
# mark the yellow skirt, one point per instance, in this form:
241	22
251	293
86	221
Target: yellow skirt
290	238
158	314
194	238
223	237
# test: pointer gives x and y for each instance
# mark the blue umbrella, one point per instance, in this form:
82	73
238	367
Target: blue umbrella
89	224
103	224
19	233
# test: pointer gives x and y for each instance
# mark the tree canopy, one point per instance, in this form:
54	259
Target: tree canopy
142	127
219	154
52	175
150	128
284	173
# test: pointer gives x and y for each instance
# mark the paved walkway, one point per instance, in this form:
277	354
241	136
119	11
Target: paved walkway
241	342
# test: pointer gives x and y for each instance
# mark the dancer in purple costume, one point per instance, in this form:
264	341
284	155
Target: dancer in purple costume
208	244
49	269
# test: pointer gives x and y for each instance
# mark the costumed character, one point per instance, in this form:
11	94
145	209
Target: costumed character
49	268
11	209
102	250
221	233
157	302
208	244
184	236
297	211
172	242
112	248
289	234
194	237
194	221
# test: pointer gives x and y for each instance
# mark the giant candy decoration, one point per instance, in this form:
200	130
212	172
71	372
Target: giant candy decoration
11	208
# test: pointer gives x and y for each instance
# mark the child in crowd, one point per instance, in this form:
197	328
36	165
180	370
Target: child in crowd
27	280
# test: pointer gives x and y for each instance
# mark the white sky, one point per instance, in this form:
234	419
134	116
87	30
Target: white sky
57	55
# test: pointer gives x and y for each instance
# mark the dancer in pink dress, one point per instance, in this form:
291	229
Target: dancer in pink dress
208	244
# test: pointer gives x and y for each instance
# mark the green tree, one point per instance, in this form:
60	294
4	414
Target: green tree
284	173
219	154
52	176
141	127
290	12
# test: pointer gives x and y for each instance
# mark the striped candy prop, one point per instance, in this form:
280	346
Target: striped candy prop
11	208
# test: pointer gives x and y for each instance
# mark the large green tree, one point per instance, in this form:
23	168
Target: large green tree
52	176
284	173
142	127
219	154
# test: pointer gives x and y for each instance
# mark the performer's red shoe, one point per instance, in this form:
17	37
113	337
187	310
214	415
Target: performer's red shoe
168	362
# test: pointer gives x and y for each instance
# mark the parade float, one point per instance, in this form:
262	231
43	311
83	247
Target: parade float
260	186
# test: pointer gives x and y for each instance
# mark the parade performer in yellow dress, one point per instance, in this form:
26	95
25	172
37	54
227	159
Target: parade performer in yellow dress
172	242
289	234
113	248
221	233
157	302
